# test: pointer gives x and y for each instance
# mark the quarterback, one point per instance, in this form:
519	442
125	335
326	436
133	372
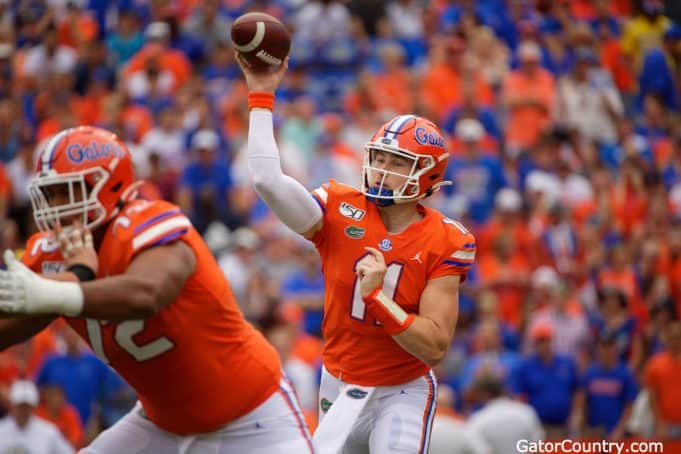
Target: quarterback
138	283
392	269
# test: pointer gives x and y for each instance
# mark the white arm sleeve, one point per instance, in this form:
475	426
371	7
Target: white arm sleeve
288	198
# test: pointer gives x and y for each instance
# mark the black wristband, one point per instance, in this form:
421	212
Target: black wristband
83	272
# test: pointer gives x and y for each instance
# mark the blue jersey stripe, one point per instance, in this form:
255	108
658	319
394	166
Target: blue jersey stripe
156	219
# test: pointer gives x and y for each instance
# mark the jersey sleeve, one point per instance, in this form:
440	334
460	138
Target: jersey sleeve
40	248
458	253
153	224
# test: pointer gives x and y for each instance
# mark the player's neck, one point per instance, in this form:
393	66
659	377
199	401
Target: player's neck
396	218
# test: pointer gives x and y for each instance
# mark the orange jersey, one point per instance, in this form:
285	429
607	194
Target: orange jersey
356	349
197	364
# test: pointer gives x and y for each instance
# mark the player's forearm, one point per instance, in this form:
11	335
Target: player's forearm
127	297
289	199
425	340
16	330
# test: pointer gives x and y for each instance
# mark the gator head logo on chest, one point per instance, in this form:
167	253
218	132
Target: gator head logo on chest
355	232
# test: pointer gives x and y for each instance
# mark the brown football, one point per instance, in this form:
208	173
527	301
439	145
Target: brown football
261	39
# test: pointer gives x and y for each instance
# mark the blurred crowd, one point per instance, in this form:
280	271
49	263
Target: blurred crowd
562	118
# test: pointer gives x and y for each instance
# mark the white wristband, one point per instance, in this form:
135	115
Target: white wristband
48	296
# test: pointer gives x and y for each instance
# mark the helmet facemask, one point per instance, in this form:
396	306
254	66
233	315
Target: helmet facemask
83	198
409	190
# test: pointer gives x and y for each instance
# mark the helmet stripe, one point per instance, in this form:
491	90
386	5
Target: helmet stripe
397	125
49	150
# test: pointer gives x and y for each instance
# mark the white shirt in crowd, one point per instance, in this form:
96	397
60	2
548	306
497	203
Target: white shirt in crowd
585	106
38	437
451	436
503	422
570	330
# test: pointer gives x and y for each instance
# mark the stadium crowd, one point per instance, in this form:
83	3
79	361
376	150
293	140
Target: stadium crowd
563	124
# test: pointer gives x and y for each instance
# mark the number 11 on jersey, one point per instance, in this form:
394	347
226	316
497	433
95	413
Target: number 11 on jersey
390	282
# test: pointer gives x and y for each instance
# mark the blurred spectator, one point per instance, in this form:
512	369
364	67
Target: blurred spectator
208	24
607	390
560	241
449	72
167	140
588	102
489	358
661	375
56	410
289	341
614	317
491	56
644	30
320	21
406	23
22	432
305	288
450	433
157	46
503	422
506	271
553	307
528	95
127	38
238	265
85	379
333	158
77	27
206	184
49	57
660	71
476	175
547	382
471	108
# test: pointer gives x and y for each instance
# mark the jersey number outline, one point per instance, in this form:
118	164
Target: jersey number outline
123	335
391	280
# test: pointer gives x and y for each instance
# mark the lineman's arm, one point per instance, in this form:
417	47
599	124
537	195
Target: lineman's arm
19	329
14	330
288	198
154	279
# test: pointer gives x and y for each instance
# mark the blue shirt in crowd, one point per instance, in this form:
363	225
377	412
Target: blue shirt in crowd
608	392
84	379
549	387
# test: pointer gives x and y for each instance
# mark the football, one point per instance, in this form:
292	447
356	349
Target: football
262	40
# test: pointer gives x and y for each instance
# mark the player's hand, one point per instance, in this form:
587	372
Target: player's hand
371	271
261	81
24	292
76	246
16	284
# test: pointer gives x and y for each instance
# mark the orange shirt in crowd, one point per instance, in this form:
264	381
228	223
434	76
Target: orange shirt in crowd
67	421
661	376
523	241
83	30
614	60
170	59
442	88
526	122
510	294
625	281
629	210
137	118
391	92
42	345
